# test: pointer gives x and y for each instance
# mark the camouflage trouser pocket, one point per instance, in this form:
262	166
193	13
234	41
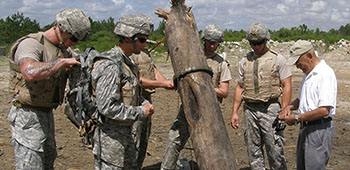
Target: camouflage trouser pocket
27	120
279	138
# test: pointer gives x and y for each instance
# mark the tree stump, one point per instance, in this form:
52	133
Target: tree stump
209	136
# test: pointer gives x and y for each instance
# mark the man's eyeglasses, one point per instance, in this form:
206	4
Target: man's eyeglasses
141	39
297	64
73	39
254	43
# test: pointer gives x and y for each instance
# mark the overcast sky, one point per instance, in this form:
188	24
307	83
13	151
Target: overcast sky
229	14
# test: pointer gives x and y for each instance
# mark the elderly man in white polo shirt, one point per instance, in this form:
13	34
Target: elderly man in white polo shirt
315	106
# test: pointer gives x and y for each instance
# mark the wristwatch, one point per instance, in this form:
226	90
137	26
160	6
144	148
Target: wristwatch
296	121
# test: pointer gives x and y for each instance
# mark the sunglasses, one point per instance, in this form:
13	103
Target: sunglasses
254	43
141	39
74	39
212	42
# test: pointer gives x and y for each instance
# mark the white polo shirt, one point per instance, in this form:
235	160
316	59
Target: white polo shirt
318	88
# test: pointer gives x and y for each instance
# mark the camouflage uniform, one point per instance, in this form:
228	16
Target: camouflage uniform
118	97
142	129
261	77
33	138
113	143
179	132
31	118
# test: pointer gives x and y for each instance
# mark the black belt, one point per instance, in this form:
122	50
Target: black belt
315	122
43	109
275	100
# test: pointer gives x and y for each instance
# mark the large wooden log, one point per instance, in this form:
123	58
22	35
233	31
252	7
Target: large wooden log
209	136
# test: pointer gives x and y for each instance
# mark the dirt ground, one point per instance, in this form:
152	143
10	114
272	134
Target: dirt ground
72	154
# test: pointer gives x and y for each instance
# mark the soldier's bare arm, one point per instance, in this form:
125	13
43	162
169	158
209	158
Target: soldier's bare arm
287	92
160	81
158	75
33	70
222	90
237	99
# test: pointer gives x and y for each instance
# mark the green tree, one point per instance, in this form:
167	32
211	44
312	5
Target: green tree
158	34
101	41
230	35
15	27
303	28
345	30
103	25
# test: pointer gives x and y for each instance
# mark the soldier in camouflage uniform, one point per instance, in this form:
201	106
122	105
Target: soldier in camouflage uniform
38	65
116	84
263	77
212	36
151	78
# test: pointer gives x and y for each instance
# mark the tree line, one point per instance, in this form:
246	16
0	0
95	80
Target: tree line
103	38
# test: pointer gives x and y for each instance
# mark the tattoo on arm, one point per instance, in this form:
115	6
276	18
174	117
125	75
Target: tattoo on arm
30	69
53	63
34	68
37	68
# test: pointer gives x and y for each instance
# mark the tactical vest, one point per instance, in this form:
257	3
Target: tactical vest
261	80
47	93
146	68
131	89
215	64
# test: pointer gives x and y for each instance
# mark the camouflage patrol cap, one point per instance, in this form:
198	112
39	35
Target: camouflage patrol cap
213	32
258	32
75	22
130	25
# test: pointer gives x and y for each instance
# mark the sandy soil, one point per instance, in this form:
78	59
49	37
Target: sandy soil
72	154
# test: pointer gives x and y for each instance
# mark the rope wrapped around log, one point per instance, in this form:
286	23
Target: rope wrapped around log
183	73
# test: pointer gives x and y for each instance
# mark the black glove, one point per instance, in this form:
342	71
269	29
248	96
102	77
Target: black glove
278	124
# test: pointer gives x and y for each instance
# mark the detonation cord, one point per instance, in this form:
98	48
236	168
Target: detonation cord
189	70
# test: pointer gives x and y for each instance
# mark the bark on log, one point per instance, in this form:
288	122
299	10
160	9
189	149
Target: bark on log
209	136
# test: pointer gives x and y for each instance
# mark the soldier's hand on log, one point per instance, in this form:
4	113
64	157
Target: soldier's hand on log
168	84
149	109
